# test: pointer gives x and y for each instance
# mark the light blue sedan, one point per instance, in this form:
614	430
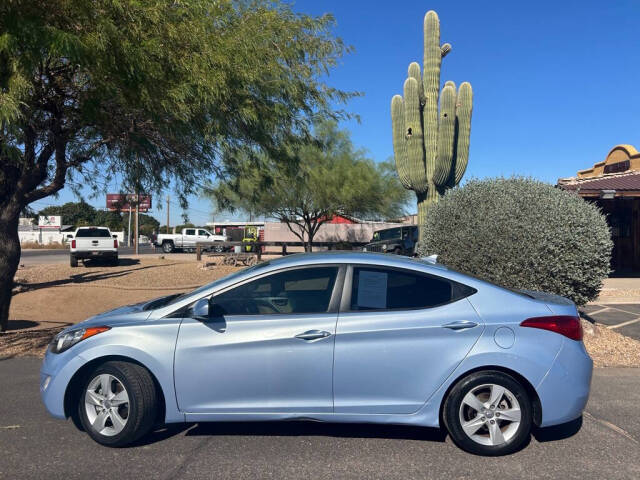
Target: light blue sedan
336	337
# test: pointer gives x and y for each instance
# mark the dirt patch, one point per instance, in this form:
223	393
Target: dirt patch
609	348
52	297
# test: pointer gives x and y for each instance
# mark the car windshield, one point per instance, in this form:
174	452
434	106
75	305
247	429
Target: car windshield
226	278
93	233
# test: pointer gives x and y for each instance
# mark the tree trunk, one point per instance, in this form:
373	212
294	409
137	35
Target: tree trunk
9	260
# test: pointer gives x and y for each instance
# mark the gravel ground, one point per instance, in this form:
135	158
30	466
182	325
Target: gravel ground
608	348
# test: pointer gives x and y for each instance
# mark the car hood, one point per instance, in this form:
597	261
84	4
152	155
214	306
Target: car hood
120	315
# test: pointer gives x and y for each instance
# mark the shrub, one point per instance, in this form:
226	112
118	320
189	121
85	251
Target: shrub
521	233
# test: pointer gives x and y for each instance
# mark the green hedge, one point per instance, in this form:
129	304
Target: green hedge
521	233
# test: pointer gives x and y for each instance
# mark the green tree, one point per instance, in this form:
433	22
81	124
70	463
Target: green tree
326	177
155	92
73	213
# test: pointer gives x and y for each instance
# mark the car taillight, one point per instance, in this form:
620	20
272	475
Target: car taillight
566	325
115	243
73	244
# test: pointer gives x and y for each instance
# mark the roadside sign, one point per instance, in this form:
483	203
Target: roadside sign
122	202
49	221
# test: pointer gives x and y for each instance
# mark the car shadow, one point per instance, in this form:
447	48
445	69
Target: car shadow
311	428
294	429
338	430
558	432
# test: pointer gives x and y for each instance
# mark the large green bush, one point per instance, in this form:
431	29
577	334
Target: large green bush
521	233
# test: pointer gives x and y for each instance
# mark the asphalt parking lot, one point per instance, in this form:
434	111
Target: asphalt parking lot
33	445
623	318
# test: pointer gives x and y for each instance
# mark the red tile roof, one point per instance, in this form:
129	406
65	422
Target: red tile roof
618	182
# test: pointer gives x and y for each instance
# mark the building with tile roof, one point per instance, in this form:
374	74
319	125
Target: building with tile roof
614	185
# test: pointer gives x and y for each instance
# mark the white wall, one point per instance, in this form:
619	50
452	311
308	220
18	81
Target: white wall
48	237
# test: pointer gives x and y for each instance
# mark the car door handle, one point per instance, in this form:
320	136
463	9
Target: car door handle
460	325
313	335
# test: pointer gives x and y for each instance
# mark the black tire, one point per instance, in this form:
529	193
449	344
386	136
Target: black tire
218	248
397	251
115	261
142	405
73	261
167	247
451	413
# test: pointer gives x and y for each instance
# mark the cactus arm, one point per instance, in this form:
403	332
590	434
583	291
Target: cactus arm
399	145
431	82
446	134
414	72
414	136
464	106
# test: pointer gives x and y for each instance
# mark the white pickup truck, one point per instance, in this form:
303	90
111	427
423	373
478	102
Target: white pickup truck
187	240
93	243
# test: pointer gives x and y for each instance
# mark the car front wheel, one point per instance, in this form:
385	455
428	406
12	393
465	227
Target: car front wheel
117	404
489	413
167	247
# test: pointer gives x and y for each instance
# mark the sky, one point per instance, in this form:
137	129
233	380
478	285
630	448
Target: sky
556	83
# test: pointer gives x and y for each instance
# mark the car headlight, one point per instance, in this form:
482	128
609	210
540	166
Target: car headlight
65	340
384	248
364	249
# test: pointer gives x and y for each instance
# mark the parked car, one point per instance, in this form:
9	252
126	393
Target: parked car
398	240
93	243
187	240
332	336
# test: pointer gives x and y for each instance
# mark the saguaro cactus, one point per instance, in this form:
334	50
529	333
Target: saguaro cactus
431	144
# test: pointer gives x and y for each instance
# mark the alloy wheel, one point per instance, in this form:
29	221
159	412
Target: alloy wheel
490	414
106	404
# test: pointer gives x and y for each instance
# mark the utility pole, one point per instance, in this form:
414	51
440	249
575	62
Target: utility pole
167	213
137	225
129	229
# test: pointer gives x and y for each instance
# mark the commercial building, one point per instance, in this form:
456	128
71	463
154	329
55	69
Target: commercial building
614	185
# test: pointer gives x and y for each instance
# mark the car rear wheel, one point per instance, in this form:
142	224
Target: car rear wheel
117	404
73	261
488	413
167	247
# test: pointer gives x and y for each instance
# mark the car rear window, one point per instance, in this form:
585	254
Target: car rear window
93	233
375	288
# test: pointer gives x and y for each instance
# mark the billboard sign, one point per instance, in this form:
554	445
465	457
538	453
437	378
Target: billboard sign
49	221
122	202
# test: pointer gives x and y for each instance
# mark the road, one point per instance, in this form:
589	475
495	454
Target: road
30	257
35	446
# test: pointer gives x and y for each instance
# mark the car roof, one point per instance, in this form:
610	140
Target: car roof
368	258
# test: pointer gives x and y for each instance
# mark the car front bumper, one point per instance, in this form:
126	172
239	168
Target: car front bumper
55	374
564	390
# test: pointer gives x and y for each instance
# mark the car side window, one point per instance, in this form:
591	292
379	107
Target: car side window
203	233
189	231
301	290
391	289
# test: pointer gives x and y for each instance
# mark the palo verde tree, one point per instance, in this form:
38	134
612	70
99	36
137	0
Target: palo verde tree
152	92
326	177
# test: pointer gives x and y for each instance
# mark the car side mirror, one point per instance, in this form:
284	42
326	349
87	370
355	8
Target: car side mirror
201	309
114	236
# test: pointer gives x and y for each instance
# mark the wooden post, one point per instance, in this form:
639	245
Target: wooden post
198	251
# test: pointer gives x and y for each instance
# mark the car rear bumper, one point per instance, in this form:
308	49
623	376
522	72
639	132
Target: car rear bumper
564	391
95	254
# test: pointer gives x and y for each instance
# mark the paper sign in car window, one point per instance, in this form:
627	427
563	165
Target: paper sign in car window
372	289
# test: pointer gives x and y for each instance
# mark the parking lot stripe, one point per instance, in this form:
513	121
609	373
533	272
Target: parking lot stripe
624	323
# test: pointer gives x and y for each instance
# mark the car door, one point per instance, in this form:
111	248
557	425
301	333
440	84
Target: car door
267	348
400	334
189	238
203	236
